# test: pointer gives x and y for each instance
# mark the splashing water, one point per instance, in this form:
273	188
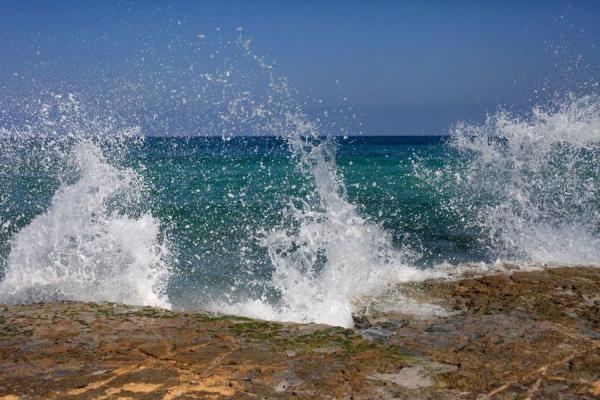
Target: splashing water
328	256
88	245
325	255
93	212
97	241
530	186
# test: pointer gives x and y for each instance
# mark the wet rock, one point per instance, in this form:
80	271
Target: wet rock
360	321
377	334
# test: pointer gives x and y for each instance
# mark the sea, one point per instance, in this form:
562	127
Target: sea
270	213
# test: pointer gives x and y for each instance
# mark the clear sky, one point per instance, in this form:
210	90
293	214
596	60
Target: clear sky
409	67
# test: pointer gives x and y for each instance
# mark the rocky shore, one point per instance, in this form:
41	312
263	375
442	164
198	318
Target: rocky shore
527	335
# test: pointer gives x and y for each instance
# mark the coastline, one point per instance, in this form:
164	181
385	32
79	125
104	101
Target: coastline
533	334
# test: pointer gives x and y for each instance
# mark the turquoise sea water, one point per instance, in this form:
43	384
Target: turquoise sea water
214	197
243	220
245	204
220	196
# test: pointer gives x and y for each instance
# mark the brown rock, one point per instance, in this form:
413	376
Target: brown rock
527	335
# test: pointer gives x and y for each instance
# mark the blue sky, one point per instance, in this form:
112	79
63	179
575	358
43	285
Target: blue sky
408	67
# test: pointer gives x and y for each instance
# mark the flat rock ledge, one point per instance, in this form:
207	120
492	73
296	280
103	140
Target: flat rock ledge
527	335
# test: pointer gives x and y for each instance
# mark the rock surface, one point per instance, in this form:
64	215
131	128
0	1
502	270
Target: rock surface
528	335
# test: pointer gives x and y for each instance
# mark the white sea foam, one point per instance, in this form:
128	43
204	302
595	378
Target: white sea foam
538	178
84	248
533	183
326	255
87	245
